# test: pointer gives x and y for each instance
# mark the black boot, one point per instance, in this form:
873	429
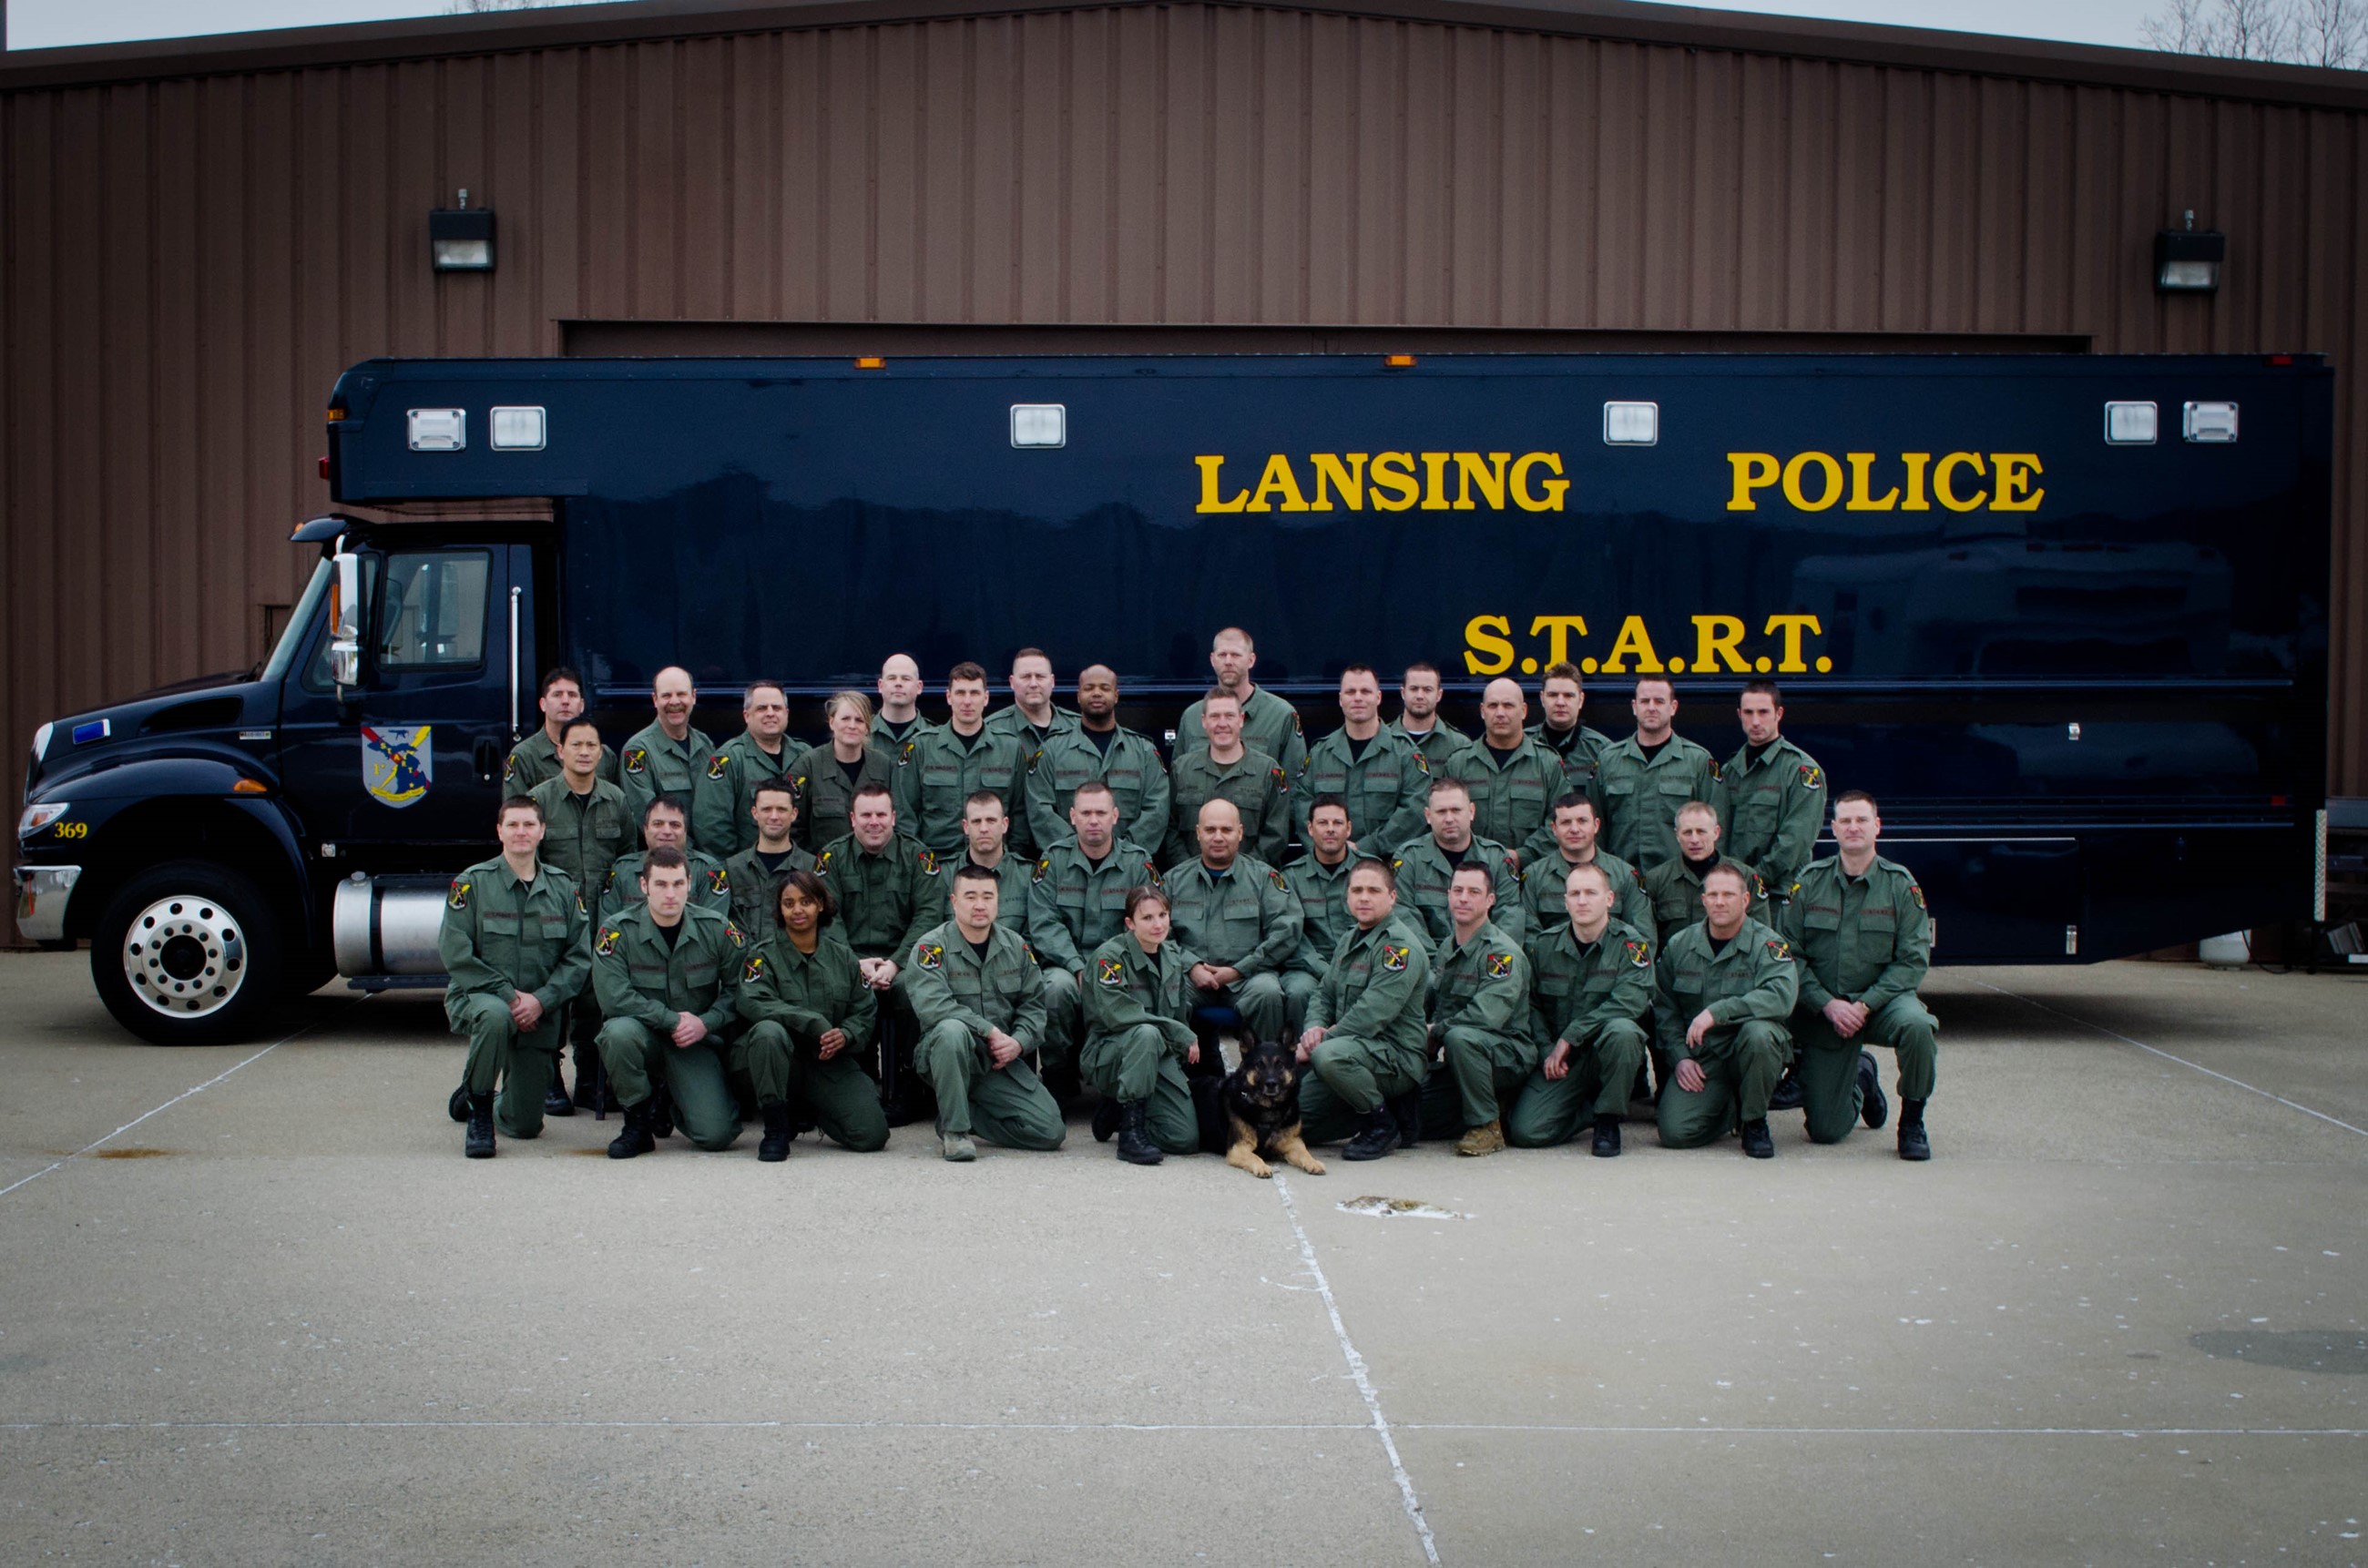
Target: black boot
1134	1145
1375	1137
478	1143
1755	1142
1405	1109
1607	1137
635	1139
555	1102
660	1105
1913	1144
775	1147
458	1106
1872	1107
1787	1095
1107	1117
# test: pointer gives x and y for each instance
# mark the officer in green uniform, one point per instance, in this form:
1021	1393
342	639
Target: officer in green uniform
1724	988
752	873
1076	900
1031	720
979	1000
1562	699
1515	778
1270	723
1479	1022
587	827
1367	1036
514	941
1374	770
940	768
664	825
1139	1036
1225	770
1099	750
760	753
810	1021
1445	749
1591	991
1426	865
669	757
1674	887
1319	879
668	977
986	828
1772	793
1863	939
1640	783
1575	824
1241	921
535	759
887	885
826	776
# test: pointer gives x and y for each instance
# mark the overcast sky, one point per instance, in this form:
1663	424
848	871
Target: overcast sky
42	23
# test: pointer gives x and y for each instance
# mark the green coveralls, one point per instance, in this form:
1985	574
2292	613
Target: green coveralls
1638	799
886	898
502	936
1137	780
652	765
582	835
937	771
1579	748
959	996
535	760
1749	989
1376	1040
756	900
1074	906
825	795
747	764
1865	940
790	1000
1545	880
710	885
1480	1019
1674	887
1246	919
1425	873
1322	894
1385	789
1138	1008
1512	799
645	987
1596	996
1257	786
1270	723
1770	811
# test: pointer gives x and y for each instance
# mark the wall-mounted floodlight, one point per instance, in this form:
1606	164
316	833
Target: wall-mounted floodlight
461	239
2187	262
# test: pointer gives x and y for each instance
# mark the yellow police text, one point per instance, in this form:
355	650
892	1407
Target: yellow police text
1913	481
1389	481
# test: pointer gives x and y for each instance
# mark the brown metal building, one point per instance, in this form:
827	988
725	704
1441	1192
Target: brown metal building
195	239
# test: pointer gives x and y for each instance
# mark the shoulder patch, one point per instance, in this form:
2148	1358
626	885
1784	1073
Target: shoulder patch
1030	951
1280	884
906	754
1796	892
510	767
1397	862
802	785
1043	870
1393	957
1916	892
752	968
637	759
1499	965
1111	972
1421	763
1640	954
929	955
820	860
1279	782
738	938
1780	950
1716	772
1151	871
579	903
1759	888
459	897
719	764
608	943
929	863
719	880
1812	776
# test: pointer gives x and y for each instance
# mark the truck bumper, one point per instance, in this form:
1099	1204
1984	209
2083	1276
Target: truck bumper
42	893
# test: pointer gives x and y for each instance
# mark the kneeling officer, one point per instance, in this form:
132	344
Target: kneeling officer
979	1000
667	974
812	1016
1726	986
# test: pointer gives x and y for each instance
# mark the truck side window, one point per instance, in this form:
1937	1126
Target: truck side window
431	609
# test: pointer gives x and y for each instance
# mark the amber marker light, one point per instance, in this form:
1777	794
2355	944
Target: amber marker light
1397	361
871	362
250	786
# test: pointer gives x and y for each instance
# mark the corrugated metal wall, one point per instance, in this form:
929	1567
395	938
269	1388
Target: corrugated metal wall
188	262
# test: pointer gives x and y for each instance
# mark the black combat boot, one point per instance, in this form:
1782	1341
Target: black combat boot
635	1139
1134	1145
478	1143
1405	1109
1107	1117
1755	1142
1376	1136
458	1106
660	1105
1786	1095
1872	1107
1913	1144
1607	1137
555	1102
775	1147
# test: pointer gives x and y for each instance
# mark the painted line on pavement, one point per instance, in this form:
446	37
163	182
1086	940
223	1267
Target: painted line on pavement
1357	1371
2167	1056
1180	1426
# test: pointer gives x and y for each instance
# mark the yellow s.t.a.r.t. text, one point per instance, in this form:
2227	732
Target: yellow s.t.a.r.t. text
1707	645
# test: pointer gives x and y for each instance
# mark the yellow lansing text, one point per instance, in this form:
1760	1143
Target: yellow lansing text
1391	482
1818	481
1785	644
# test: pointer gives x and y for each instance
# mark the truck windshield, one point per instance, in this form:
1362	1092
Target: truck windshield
300	624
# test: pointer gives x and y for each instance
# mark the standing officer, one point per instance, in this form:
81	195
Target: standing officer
1544	885
1270	723
1241	921
587	827
980	1000
1859	928
1592	990
773	808
1076	900
666	826
826	776
668	976
938	768
1725	987
1443	745
1426	865
986	829
1319	879
900	691
1675	887
1099	749
1031	720
1374	770
1640	783
811	1020
536	759
1479	1020
1225	770
1559	731
1772	793
887	883
761	753
1139	1038
514	941
667	757
1366	1033
1515	777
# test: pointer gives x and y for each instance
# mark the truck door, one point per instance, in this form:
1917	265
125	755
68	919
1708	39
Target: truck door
409	766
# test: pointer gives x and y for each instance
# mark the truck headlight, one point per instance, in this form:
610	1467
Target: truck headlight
36	818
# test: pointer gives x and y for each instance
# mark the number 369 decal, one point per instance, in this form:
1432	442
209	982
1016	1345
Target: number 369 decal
71	830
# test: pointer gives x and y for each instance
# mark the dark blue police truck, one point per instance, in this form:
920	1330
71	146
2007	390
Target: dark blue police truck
2065	617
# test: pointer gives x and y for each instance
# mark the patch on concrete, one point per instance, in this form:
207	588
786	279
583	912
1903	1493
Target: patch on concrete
134	1153
1394	1207
2296	1350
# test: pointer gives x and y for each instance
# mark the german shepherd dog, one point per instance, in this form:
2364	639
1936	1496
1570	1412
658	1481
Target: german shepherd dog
1261	1100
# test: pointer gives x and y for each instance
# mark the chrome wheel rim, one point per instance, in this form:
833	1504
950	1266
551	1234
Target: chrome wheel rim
185	957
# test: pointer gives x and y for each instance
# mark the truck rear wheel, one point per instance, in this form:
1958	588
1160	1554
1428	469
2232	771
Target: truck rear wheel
188	953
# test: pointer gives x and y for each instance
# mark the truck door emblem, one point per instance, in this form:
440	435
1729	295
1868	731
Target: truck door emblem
397	765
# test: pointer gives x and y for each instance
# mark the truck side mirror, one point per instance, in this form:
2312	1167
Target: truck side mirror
345	621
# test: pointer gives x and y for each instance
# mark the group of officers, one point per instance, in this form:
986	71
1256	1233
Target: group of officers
1488	940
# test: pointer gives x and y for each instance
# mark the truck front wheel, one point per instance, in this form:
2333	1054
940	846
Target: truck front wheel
188	953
